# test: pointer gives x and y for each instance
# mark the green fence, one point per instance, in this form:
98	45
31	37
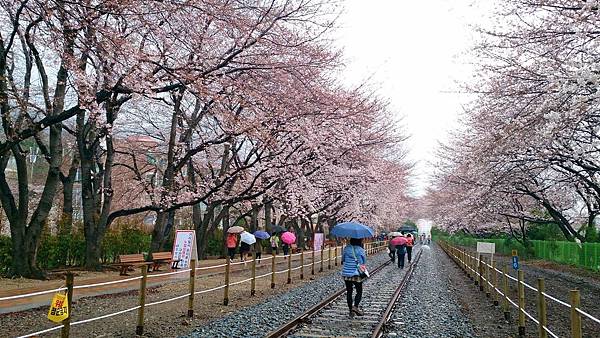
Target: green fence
585	255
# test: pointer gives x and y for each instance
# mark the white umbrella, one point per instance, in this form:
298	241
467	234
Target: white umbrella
235	229
394	234
247	238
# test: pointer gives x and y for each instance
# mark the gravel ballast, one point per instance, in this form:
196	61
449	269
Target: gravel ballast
428	307
257	320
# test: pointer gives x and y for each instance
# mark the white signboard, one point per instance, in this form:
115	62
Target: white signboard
184	248
486	248
318	241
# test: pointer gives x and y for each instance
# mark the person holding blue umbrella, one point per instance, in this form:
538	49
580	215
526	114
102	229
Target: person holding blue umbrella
354	259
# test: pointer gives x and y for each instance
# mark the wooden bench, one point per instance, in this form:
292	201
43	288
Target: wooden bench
164	257
130	261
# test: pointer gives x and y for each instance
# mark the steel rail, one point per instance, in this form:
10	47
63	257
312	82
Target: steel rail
387	314
287	327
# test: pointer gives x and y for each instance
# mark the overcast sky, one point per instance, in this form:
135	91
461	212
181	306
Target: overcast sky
415	52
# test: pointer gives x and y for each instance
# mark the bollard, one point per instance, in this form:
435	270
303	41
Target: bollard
253	281
273	271
312	268
505	300
139	329
289	270
302	263
190	312
64	332
321	268
495	284
575	301
543	320
226	289
521	292
329	259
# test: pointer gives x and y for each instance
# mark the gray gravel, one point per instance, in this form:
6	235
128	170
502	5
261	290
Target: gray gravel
427	307
257	320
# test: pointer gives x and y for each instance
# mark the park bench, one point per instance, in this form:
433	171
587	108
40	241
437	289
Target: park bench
159	258
130	261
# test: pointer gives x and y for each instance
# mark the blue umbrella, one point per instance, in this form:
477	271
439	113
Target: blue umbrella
352	230
261	234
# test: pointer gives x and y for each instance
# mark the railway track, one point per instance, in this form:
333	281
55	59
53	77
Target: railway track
330	317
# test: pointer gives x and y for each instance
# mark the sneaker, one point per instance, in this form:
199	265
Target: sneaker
358	311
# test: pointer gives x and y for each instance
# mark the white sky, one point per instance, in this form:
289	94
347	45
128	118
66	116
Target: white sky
414	51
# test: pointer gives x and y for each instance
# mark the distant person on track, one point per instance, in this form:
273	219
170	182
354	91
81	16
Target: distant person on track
410	241
429	239
400	252
352	256
392	251
231	245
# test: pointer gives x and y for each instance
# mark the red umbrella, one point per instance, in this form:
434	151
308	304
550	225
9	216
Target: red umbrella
288	238
398	241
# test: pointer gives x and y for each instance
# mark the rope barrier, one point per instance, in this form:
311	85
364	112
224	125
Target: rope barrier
526	285
42	331
240	282
265	275
32	294
168	273
587	315
209	290
106	283
105	316
211	267
168	300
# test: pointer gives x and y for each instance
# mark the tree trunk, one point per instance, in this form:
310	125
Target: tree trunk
225	220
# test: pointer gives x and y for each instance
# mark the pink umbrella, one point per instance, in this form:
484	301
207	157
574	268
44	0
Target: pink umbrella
288	237
398	241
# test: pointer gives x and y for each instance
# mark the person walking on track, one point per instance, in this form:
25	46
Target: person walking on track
392	251
410	241
400	252
352	256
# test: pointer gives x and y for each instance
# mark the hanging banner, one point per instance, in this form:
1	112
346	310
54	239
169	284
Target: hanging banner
184	248
59	308
318	241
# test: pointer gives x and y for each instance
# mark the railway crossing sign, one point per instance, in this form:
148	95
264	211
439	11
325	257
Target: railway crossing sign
515	260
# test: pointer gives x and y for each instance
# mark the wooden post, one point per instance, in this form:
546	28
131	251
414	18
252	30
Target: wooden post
190	312
312	268
480	270
321	268
329	260
139	329
488	281
226	289
335	255
66	329
575	301
253	281
543	320
495	285
521	292
273	271
467	264
505	299
302	263
289	270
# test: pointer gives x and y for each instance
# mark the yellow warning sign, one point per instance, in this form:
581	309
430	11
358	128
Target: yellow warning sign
59	308
514	253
